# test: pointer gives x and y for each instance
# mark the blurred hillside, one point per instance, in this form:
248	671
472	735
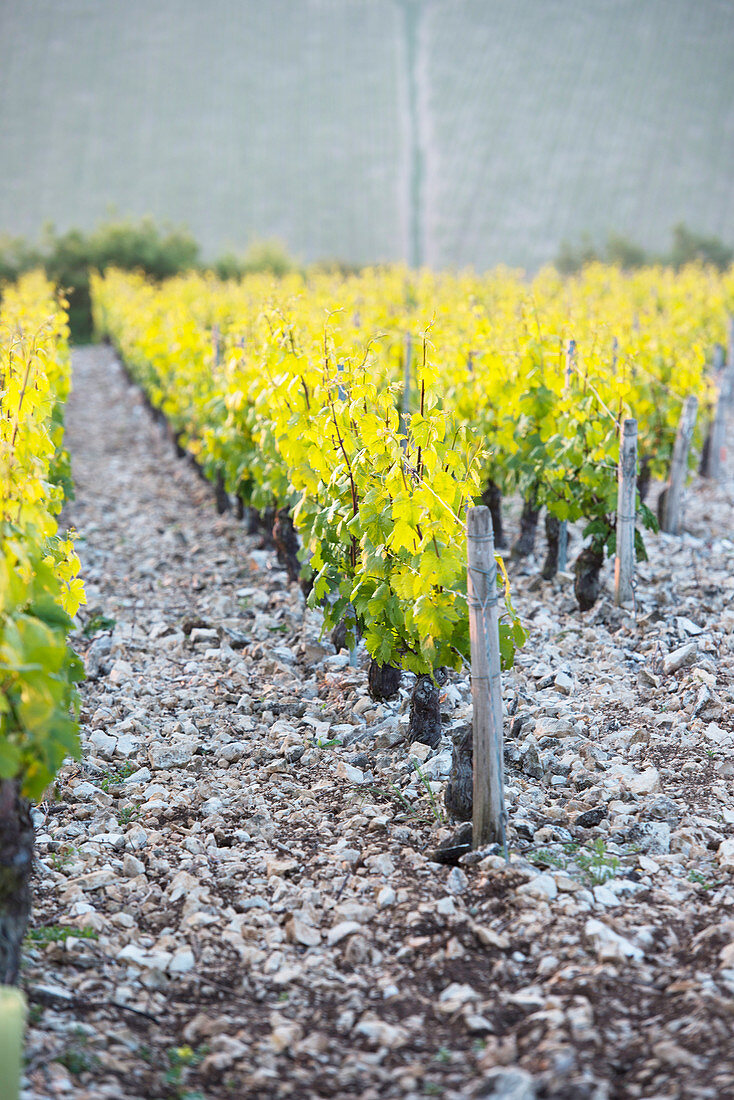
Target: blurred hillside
440	131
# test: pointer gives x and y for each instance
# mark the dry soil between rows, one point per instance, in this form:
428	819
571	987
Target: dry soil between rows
242	851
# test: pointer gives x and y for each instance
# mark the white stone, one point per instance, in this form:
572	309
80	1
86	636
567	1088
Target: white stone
563	683
646	782
419	751
438	767
127	745
148	960
181	884
380	1032
87	792
386	897
182	962
136	838
679	657
609	945
457	881
340	931
541	886
381	864
95	880
509	1083
489	938
351	774
298	931
104	743
175	754
604	896
132	866
456	995
725	854
142	775
446	907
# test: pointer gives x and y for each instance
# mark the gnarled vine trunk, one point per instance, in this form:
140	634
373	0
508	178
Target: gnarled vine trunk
525	544
16	863
383	681
492	498
459	793
587	567
425	712
552	534
222	498
287	544
643	477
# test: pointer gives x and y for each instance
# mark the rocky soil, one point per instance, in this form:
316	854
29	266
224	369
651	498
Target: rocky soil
234	893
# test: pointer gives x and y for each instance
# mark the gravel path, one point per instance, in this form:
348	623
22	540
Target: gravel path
242	854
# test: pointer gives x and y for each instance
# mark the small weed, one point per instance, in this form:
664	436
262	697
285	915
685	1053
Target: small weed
279	628
98	623
598	865
701	880
443	1055
330	744
126	814
438	813
179	1060
59	933
283	997
594	862
114	778
547	857
75	1058
63	857
431	1088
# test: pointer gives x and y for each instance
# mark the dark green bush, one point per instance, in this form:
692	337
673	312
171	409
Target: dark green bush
262	257
572	257
626	253
16	256
68	258
689	246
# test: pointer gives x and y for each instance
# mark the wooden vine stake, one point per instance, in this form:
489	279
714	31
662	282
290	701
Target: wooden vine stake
216	346
489	788
342	395
670	518
405	406
624	563
717	435
563	525
13	1013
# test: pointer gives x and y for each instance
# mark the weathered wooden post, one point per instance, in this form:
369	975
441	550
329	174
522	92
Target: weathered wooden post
340	391
716	454
216	346
13	1013
563	526
405	405
624	562
488	748
670	513
342	395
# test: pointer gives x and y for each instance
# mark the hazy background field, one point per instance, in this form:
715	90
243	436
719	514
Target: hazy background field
442	131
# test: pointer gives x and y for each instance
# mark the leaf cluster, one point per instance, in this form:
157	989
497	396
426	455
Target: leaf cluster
39	587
